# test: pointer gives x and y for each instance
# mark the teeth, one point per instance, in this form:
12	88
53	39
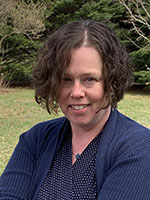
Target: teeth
79	107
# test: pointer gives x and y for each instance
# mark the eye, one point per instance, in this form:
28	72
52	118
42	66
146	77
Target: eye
89	79
67	80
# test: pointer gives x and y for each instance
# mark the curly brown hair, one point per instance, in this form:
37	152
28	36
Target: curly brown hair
55	57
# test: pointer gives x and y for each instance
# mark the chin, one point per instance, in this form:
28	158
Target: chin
81	122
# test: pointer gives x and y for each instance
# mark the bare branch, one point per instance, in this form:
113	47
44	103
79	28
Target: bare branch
14	32
138	30
139	17
147	13
18	17
133	42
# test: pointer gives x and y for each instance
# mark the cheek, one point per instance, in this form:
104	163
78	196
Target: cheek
99	98
99	93
103	101
63	96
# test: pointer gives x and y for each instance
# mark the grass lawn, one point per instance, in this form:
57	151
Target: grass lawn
19	112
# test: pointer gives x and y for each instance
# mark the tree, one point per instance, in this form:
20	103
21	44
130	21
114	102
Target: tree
24	24
18	17
65	11
138	12
138	17
21	25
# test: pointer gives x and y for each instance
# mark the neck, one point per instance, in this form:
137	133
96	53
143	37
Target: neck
82	136
94	128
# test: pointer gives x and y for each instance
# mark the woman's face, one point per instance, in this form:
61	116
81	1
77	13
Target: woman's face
82	95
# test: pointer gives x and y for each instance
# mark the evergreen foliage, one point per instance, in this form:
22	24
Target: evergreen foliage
142	77
19	49
137	18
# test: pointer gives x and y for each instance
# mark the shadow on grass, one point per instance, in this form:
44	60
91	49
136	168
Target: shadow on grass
139	89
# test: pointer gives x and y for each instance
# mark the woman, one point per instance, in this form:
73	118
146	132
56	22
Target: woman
94	152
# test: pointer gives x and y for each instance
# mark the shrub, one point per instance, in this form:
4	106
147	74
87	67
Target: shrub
18	73
142	77
3	83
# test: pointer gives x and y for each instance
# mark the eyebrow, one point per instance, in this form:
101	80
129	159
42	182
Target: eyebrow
84	74
99	77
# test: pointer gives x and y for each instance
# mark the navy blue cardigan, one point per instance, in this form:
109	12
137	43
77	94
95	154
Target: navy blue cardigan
122	163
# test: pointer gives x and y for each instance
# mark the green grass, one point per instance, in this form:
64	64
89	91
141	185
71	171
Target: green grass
19	112
136	105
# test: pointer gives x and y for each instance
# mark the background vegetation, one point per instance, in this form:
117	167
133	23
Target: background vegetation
25	24
19	112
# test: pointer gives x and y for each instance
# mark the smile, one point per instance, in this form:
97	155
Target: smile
79	107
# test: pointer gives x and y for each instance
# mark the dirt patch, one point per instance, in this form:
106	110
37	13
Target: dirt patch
5	91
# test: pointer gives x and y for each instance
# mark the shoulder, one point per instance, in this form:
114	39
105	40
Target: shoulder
44	132
123	160
123	135
48	126
122	125
132	134
127	126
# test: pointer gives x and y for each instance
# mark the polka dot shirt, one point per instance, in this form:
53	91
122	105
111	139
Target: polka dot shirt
65	181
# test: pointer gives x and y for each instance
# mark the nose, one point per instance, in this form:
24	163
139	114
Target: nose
77	90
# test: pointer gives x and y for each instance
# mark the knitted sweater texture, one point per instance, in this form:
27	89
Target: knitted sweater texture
122	162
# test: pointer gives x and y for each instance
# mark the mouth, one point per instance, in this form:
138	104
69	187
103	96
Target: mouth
79	107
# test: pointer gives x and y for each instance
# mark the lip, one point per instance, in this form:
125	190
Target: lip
79	107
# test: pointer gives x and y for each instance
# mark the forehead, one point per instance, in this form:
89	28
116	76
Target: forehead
86	60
